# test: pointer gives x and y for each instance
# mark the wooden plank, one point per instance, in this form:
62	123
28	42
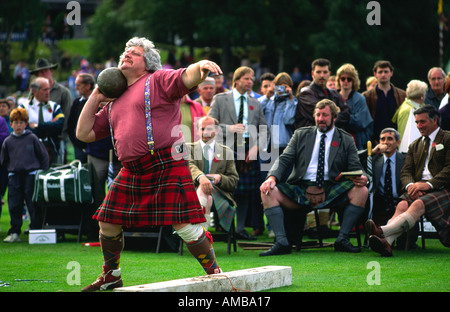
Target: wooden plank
254	279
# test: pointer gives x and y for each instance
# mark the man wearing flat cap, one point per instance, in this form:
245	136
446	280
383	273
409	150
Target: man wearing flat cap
58	94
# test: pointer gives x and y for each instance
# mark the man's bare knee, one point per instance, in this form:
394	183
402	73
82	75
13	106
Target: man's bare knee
110	229
417	209
358	196
402	206
270	199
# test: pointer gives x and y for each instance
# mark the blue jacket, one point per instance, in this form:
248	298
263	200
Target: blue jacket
361	122
280	112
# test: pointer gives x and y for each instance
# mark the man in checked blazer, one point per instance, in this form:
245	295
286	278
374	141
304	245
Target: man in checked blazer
217	182
427	185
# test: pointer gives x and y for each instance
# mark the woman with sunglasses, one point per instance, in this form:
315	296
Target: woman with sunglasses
361	122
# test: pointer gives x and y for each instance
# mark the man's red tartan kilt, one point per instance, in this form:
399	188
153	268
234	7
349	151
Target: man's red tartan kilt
151	191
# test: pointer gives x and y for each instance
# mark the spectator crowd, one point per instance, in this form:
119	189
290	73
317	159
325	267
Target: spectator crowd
271	125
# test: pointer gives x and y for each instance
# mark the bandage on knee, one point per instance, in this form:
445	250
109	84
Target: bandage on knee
191	232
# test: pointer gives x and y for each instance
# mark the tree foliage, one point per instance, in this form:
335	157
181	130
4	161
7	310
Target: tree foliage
19	16
285	33
109	29
407	36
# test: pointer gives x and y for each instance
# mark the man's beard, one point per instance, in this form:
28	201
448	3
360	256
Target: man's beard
327	128
321	83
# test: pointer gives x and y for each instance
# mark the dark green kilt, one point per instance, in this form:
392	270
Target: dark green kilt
336	194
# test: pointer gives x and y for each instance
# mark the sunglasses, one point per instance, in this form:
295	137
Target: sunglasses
346	78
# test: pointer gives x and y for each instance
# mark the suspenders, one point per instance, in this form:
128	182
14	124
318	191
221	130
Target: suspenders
148	116
148	119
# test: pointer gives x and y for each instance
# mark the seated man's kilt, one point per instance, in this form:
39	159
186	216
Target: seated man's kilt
437	211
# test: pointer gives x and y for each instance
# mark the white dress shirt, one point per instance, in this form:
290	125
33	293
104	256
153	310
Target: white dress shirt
426	175
393	172
311	172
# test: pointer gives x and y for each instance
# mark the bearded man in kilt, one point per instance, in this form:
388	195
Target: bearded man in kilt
426	179
154	187
319	155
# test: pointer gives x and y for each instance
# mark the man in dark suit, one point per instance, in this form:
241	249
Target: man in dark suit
84	84
313	178
241	119
214	173
426	177
387	185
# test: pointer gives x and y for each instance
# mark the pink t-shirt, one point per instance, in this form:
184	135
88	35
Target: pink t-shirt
128	115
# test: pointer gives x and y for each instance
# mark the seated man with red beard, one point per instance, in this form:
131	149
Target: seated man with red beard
319	155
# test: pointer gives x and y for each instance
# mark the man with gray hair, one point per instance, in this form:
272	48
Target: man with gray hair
155	186
387	165
46	118
425	177
435	94
58	94
206	90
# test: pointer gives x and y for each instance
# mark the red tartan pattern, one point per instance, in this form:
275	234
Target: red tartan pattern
151	191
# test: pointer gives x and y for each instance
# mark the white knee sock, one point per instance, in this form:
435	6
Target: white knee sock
397	226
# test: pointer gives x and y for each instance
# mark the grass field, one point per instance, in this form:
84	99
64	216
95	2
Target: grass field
68	266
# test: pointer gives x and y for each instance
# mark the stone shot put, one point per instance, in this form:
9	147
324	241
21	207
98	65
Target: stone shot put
112	82
154	187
